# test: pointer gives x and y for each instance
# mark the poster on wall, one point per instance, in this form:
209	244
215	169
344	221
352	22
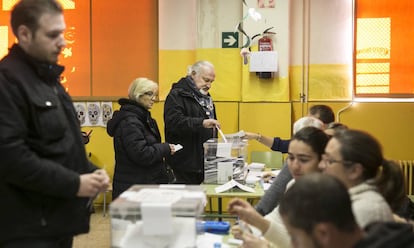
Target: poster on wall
107	112
94	113
266	3
81	113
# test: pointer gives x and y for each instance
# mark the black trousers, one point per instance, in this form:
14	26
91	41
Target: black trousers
39	243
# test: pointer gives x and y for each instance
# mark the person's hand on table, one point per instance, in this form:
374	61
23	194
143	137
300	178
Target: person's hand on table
267	176
236	231
243	210
239	228
248	214
252	241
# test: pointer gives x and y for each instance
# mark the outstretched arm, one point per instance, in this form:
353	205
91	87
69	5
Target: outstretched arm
267	141
273	195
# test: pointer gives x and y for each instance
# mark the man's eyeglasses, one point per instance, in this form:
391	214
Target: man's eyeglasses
329	161
151	94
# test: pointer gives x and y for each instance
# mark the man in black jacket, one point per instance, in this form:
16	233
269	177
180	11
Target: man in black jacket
46	181
190	120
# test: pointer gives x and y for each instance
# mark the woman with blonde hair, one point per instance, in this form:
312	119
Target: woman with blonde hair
139	153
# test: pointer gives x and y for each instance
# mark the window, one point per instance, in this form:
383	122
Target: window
384	57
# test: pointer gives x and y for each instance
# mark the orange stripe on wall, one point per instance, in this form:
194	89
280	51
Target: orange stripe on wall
124	44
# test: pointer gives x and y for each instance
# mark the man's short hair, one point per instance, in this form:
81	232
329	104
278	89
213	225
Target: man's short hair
324	113
28	12
198	66
307	121
317	198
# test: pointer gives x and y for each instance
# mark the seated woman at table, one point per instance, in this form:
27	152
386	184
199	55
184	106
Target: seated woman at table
304	154
376	185
273	194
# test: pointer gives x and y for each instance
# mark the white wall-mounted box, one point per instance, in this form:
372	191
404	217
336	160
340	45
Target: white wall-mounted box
263	61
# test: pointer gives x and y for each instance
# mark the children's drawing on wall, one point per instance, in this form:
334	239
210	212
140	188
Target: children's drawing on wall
94	113
81	113
106	112
266	3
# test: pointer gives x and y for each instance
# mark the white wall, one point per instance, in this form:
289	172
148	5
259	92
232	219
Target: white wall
177	24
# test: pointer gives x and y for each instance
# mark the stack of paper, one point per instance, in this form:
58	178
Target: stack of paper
232	184
256	166
240	134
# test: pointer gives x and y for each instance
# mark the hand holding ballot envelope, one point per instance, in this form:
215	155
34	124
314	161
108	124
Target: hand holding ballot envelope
210	123
175	148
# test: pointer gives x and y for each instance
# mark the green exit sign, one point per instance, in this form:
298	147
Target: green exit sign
229	39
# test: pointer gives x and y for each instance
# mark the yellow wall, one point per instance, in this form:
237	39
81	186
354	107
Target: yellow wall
391	123
270	119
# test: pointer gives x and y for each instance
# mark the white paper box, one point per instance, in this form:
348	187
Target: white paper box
265	61
156	216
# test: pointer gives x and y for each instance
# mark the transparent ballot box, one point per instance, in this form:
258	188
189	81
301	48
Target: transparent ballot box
157	216
224	161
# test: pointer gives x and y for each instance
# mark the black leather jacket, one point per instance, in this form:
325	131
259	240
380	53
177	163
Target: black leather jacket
41	151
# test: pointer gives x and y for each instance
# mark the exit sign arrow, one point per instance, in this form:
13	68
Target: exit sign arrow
230	40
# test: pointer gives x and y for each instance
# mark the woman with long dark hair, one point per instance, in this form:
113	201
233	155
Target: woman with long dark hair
376	185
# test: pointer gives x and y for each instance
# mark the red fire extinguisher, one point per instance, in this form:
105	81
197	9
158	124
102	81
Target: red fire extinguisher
266	44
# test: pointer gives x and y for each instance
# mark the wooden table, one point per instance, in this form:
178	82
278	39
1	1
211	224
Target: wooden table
232	193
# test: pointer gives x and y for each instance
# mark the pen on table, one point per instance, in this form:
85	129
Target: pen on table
221	133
